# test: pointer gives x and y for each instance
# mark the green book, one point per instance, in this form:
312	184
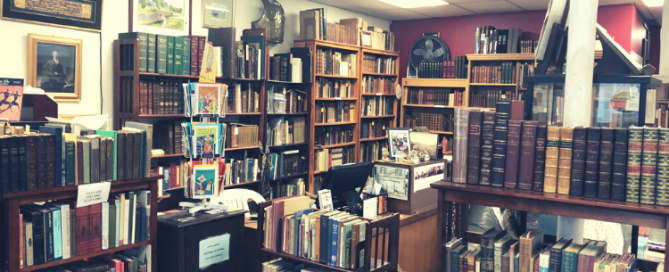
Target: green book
185	59
170	55
69	163
161	54
143	47
111	134
87	159
178	55
151	54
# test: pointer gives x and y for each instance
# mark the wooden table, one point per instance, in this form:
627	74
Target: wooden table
418	234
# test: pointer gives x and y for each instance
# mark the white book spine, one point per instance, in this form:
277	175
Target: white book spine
65	225
118	217
105	225
134	205
126	238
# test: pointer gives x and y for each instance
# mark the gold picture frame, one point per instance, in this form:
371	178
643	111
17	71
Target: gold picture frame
54	64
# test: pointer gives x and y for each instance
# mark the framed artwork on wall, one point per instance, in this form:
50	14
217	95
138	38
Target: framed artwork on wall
161	17
54	65
78	14
218	13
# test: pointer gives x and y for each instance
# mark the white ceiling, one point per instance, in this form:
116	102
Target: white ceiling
382	10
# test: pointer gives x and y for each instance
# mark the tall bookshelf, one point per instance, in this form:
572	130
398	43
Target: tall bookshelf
315	102
387	72
513	89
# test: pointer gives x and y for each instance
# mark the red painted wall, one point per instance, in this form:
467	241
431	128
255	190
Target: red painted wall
458	32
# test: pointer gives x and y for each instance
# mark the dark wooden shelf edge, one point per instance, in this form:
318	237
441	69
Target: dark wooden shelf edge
287	146
240	148
73	188
167	156
305	261
87	256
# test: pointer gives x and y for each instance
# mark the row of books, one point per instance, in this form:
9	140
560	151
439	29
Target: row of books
375	129
333	62
60	230
382	39
292	187
173	176
378	106
379	65
241	135
131	260
446	145
503	74
528	46
455	68
430	69
499	252
283	100
287	163
436	96
526	70
333	135
250	57
332	88
50	157
163	54
489	40
168	137
287	131
378	85
488	98
244	98
433	121
279	265
241	169
371	151
321	236
334	112
285	67
326	158
160	96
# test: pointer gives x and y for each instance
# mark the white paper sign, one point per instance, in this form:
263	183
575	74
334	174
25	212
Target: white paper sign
93	193
424	175
369	208
214	250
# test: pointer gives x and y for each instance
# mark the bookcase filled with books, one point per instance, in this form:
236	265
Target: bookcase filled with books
335	106
379	73
494	77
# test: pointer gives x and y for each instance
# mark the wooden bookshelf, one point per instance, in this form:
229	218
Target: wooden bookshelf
178	155
15	200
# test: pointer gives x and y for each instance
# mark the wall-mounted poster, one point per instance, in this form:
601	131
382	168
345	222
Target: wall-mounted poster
218	13
394	180
166	17
54	65
79	14
11	98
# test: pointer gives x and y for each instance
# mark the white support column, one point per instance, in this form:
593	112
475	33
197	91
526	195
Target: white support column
664	40
578	86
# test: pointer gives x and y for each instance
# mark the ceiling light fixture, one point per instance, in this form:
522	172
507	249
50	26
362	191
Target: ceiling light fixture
653	3
408	4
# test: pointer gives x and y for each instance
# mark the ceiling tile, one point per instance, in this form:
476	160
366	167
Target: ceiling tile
531	4
491	7
397	15
442	11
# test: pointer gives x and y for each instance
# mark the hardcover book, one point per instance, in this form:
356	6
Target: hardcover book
527	155
592	162
564	163
502	115
487	135
605	163
512	154
649	165
474	147
578	161
460	145
634	148
618	180
552	157
662	185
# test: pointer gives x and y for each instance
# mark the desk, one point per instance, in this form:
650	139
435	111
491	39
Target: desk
418	235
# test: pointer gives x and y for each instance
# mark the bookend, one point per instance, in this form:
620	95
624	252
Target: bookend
556	50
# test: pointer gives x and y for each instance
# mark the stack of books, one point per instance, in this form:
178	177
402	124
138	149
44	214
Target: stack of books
378	85
488	98
326	158
382	39
489	40
166	54
504	74
283	100
334	112
168	137
378	65
334	62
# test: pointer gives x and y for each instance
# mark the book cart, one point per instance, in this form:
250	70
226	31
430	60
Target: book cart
15	200
381	246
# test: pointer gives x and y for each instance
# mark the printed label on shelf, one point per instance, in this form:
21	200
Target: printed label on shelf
379	94
214	250
93	193
337	98
439	106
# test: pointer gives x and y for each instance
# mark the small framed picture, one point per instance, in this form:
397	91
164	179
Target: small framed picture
54	65
218	13
366	39
399	141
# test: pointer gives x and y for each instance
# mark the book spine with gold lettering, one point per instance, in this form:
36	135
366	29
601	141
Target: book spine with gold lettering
161	54
605	163
634	148
648	165
592	162
552	158
618	180
662	181
564	163
578	155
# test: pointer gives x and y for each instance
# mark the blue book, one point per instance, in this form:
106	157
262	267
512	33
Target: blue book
57	234
298	222
112	134
59	170
272	170
142	235
249	169
334	239
325	222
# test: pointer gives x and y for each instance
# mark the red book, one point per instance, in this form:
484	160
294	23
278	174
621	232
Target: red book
174	180
95	228
116	264
82	226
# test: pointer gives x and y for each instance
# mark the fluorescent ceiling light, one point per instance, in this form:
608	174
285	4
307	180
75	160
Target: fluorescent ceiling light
653	3
407	4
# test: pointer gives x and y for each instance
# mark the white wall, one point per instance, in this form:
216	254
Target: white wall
14	44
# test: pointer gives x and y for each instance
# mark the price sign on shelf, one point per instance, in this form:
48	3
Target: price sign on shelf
93	193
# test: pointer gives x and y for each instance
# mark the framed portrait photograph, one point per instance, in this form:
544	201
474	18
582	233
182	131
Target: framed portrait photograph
399	141
160	17
54	65
218	13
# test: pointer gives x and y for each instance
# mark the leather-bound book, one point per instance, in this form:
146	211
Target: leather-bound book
502	115
487	135
80	162
662	179
592	162
605	163
539	159
95	228
578	155
517	109
42	161
460	145
136	156
474	147
120	155
564	163
618	179
634	148
4	166
110	159
552	159
14	163
512	154
528	139
128	153
31	161
82	226
95	158
23	175
648	165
